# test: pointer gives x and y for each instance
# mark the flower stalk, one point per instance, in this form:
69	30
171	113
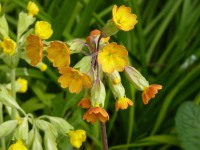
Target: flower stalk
104	136
3	141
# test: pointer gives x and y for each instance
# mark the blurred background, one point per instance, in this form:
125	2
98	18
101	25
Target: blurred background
164	46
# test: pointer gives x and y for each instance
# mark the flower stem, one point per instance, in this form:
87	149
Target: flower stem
104	136
3	141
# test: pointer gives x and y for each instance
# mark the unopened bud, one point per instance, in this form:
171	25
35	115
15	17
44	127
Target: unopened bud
76	45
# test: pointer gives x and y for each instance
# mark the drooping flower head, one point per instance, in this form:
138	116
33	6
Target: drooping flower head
123	18
34	49
96	113
43	29
77	137
123	103
59	54
85	103
113	57
32	8
8	45
17	146
74	79
22	84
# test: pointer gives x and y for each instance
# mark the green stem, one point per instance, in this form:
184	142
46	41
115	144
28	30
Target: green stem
3	141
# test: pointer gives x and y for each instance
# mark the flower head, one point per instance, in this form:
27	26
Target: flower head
95	113
59	54
150	92
123	18
17	146
34	49
85	103
113	57
123	103
32	8
43	29
8	45
23	85
74	79
77	137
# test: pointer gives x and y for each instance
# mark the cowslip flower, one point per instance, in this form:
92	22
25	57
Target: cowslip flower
140	83
43	29
34	49
123	103
85	103
123	18
22	84
95	113
74	79
113	57
32	8
17	146
8	45
59	54
77	137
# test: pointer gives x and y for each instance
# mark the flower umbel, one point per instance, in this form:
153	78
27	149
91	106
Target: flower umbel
150	92
95	113
85	103
59	54
123	18
32	8
43	29
123	103
8	45
17	146
34	49
77	137
113	57
74	79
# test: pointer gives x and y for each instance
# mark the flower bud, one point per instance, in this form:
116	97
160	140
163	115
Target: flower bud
115	77
76	45
7	127
77	137
32	8
21	85
18	146
42	66
84	64
117	89
43	29
109	29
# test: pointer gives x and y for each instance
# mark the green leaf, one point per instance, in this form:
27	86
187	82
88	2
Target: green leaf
188	125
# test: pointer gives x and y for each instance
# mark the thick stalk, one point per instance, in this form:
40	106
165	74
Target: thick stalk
104	136
3	141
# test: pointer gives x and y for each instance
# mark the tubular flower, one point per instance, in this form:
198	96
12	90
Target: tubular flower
23	85
74	79
113	57
123	18
34	49
17	146
43	29
77	137
59	54
8	45
150	92
95	113
32	8
123	103
85	103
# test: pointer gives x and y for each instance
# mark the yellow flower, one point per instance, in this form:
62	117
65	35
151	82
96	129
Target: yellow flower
32	8
17	146
95	113
8	45
77	137
23	85
150	92
85	103
123	18
59	54
113	57
34	49
43	29
43	67
74	79
123	103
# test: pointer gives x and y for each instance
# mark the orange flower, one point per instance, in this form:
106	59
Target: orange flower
85	103
95	113
150	92
59	54
123	18
74	79
34	49
123	103
113	57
